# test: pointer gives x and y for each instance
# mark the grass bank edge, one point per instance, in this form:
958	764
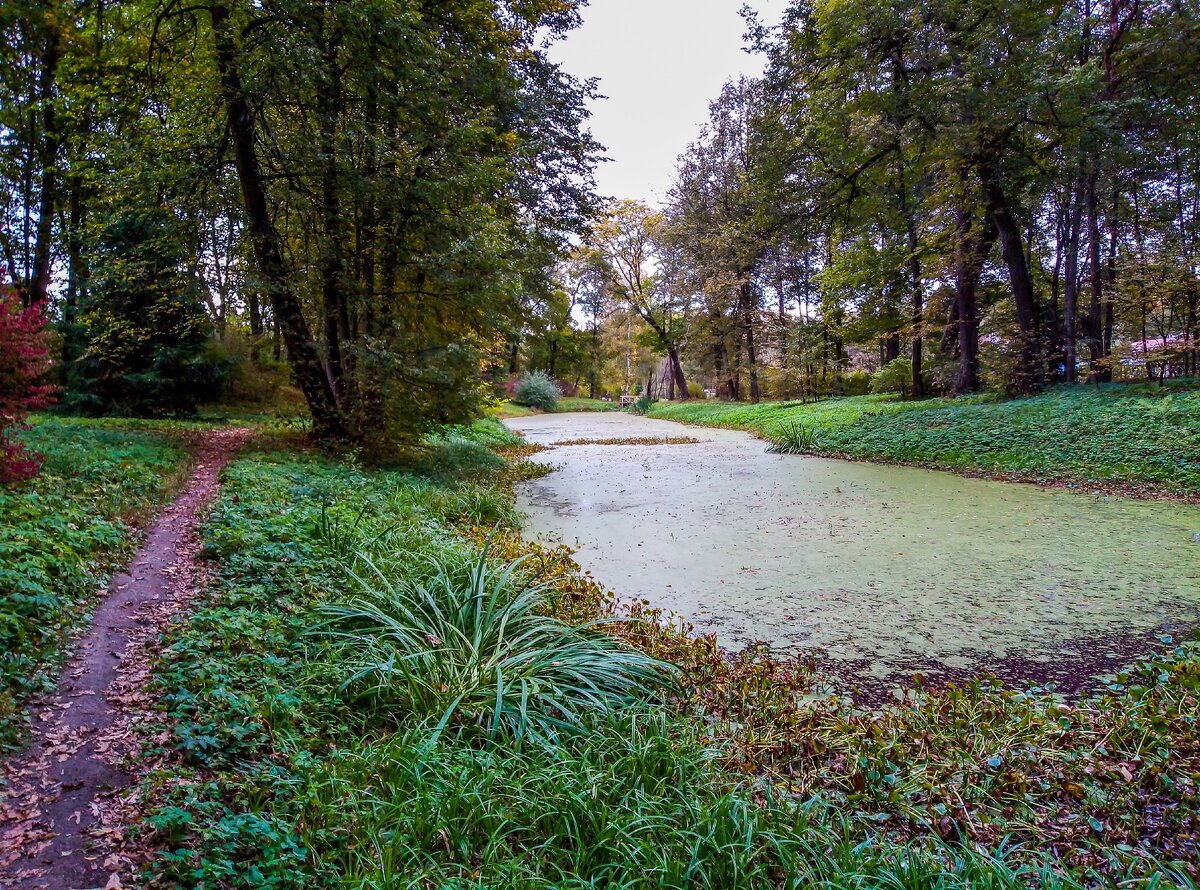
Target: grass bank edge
1134	440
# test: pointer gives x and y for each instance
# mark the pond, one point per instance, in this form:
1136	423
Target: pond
887	571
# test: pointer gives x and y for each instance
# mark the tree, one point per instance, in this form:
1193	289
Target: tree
24	362
627	245
143	331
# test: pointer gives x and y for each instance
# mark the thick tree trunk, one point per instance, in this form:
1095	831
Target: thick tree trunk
891	347
971	255
680	382
1028	376
265	240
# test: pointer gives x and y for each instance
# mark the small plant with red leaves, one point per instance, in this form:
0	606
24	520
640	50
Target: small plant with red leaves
24	361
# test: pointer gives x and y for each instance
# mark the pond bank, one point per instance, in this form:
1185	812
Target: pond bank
888	571
1119	439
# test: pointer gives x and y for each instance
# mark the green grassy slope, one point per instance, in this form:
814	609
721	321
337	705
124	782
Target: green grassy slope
1138	438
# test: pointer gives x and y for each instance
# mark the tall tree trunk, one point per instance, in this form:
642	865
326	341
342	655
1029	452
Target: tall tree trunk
1071	283
748	307
917	316
1100	370
593	383
39	282
971	253
76	274
680	382
333	267
1028	376
891	347
265	240
254	307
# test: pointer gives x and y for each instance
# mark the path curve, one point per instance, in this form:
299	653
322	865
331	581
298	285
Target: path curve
67	799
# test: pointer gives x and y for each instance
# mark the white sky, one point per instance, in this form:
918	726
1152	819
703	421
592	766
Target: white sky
660	62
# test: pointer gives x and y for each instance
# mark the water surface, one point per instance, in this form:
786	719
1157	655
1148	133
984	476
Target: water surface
886	570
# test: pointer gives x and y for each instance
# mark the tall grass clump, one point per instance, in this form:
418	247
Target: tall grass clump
792	438
470	645
536	389
642	405
640	801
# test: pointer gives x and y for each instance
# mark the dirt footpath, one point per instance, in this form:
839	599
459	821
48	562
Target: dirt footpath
67	806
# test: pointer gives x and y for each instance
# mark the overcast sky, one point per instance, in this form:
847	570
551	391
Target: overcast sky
660	62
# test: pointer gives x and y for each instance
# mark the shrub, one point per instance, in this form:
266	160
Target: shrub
643	405
471	647
895	376
857	383
24	361
143	332
458	458
536	389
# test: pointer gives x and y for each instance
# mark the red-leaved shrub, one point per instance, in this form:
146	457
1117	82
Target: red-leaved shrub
24	361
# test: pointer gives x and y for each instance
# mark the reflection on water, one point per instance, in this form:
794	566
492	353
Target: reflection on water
889	570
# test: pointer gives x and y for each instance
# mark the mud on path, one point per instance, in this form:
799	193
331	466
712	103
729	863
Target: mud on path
67	800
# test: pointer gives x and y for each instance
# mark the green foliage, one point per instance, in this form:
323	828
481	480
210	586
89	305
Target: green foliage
1114	436
536	389
857	383
792	438
566	404
470	645
60	537
642	404
142	337
895	376
453	456
640	801
752	781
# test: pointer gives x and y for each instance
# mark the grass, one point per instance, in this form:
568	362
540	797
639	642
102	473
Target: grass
64	532
472	647
273	774
1137	438
564	406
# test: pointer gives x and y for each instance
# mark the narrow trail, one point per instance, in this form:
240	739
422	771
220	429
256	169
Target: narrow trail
67	800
